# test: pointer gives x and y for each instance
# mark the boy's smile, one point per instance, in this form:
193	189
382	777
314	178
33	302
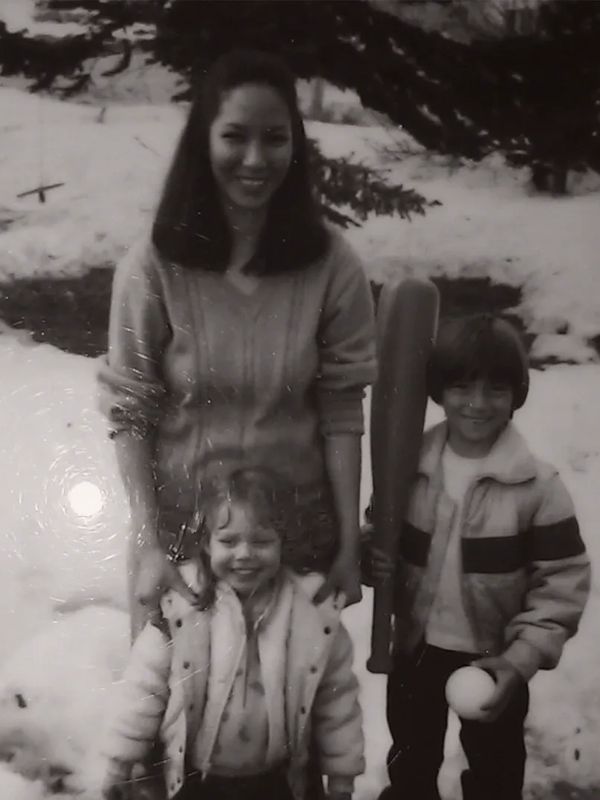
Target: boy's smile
477	412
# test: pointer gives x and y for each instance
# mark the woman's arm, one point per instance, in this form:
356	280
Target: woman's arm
347	365
132	391
343	463
135	466
149	573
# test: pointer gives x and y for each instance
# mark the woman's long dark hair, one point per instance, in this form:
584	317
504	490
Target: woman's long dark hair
190	226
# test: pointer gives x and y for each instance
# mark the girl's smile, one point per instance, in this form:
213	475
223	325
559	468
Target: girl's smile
242	554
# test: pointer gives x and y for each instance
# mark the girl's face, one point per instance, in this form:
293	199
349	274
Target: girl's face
250	146
242	554
477	411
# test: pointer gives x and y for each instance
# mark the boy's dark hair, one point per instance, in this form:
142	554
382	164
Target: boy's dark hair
268	497
478	346
190	227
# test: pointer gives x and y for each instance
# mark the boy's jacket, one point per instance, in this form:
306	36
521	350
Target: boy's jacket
306	654
525	572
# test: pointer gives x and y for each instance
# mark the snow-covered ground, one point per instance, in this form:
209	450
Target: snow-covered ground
59	654
61	575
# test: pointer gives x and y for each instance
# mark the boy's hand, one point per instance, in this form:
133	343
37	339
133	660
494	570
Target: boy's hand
508	681
376	565
381	565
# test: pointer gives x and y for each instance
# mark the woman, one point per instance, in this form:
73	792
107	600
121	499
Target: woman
241	334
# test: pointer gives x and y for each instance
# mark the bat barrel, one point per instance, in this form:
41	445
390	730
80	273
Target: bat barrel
407	319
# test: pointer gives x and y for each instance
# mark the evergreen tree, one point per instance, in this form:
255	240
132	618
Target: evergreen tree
533	95
339	184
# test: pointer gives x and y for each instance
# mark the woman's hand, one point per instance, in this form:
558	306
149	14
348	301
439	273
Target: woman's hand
344	576
156	575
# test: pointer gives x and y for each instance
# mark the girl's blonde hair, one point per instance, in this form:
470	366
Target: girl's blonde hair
266	496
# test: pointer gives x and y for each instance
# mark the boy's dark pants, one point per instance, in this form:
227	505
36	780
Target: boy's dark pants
417	717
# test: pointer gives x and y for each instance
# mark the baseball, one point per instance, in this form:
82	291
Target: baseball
467	689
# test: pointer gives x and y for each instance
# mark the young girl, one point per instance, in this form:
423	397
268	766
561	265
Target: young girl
490	570
236	687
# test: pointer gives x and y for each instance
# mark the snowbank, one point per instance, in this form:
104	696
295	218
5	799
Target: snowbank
54	692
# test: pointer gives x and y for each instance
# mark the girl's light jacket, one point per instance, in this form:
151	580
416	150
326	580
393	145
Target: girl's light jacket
306	655
525	572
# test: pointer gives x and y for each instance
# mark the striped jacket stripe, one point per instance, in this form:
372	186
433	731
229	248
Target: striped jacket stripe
501	554
493	554
553	542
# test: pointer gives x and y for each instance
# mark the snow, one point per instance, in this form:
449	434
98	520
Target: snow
17	16
22	15
40	683
62	580
112	160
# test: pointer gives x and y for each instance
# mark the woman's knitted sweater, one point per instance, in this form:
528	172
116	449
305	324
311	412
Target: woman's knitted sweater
216	376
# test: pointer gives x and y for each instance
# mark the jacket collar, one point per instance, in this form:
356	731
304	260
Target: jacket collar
175	605
509	460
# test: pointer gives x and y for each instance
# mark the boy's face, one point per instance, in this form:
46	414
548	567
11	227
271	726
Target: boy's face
477	411
242	554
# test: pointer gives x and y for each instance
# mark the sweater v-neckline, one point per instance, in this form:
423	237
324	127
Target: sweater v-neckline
247	302
231	283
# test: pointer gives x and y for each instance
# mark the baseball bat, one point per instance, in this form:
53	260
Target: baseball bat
406	327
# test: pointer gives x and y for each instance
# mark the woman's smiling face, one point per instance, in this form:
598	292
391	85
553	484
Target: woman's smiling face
251	146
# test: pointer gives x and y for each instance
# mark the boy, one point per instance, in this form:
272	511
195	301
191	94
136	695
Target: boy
491	569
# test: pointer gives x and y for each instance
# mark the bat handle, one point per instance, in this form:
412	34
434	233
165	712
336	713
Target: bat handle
382	633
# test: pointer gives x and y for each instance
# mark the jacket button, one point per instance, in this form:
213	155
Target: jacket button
327	629
181	749
303	709
313	669
186	664
178	623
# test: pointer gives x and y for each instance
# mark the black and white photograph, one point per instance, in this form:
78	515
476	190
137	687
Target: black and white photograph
300	368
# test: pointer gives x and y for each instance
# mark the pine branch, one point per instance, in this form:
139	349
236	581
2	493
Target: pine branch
341	183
